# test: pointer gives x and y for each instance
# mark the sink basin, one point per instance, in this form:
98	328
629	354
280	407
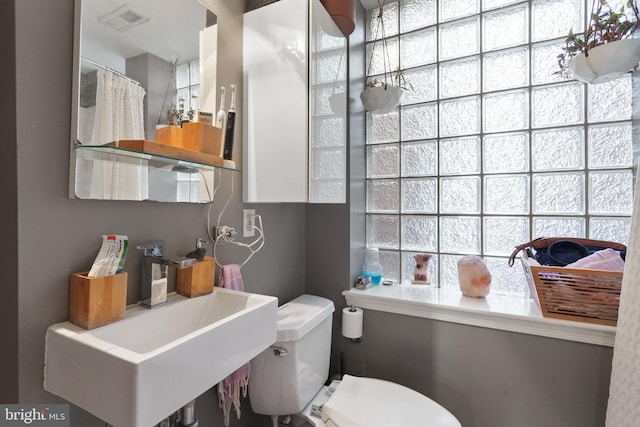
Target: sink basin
137	371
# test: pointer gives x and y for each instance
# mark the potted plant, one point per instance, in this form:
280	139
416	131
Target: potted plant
606	50
383	94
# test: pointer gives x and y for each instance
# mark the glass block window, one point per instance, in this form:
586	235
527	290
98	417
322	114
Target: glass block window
188	84
491	148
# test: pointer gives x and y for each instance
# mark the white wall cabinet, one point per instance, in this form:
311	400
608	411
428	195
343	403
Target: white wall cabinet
295	106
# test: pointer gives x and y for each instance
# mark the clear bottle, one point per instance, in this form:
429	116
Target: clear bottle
372	268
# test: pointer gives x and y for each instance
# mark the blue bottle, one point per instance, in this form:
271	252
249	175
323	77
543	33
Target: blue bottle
372	268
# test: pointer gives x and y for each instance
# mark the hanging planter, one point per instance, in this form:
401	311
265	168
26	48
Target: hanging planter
382	95
606	62
606	51
381	99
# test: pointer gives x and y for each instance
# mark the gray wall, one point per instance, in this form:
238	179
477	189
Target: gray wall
486	377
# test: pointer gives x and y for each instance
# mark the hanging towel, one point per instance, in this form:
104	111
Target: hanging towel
229	389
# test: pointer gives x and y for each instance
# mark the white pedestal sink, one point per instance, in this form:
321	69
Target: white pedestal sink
137	371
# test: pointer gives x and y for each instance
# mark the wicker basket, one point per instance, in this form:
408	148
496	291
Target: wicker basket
583	295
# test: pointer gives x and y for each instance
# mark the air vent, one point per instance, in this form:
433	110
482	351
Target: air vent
123	18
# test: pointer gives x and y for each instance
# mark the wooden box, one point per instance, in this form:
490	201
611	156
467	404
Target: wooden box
169	135
97	301
197	280
202	137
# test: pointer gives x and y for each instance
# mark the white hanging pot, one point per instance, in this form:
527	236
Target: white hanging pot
381	99
606	62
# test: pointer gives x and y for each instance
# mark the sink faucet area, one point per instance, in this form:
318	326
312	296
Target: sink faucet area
137	371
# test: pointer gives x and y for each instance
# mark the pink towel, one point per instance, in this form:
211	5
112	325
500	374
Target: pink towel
606	259
229	389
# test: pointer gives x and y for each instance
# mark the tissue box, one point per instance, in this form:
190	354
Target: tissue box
97	301
169	135
197	280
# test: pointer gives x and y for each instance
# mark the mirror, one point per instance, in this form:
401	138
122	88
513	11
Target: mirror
137	63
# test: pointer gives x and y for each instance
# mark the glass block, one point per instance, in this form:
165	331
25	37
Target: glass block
460	116
419	233
558	105
383	127
544	62
329	132
610	229
508	194
419	121
327	192
492	4
554	18
449	271
454	9
424	85
506	153
418	48
383	161
182	75
409	264
194	103
610	146
558	226
460	195
194	71
506	111
390	261
505	69
610	100
416	14
460	38
460	235
558	149
561	193
420	195
460	77
376	31
460	156
383	231
502	234
611	193
507	280
328	164
329	67
419	158
183	96
505	28
378	58
383	195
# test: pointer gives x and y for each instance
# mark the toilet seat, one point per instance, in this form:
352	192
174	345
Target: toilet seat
370	402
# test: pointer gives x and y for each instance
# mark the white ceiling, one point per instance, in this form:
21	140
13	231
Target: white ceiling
171	33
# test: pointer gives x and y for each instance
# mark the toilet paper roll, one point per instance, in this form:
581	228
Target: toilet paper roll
352	323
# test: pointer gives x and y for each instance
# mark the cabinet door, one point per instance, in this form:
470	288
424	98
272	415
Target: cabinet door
275	165
328	109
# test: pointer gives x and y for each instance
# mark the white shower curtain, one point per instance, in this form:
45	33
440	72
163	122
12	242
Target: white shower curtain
119	115
624	392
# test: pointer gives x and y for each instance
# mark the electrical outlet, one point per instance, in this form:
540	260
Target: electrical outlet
248	222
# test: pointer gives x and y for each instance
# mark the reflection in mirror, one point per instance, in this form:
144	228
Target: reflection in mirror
140	68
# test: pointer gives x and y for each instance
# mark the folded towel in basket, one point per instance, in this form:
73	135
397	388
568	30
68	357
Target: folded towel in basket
606	259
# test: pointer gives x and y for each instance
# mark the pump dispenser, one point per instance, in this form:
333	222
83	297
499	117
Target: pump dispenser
372	268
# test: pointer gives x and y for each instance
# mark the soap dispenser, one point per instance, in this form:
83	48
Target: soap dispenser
199	252
372	268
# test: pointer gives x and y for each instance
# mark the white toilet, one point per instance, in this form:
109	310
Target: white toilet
288	378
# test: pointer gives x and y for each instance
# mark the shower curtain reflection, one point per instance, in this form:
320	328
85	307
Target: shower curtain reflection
119	115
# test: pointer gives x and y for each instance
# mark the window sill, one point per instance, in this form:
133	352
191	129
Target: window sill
521	315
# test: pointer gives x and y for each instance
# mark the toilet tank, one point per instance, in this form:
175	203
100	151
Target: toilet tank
283	384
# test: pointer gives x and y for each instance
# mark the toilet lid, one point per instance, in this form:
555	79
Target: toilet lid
369	402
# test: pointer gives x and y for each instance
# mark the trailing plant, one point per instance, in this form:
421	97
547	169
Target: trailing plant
606	25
